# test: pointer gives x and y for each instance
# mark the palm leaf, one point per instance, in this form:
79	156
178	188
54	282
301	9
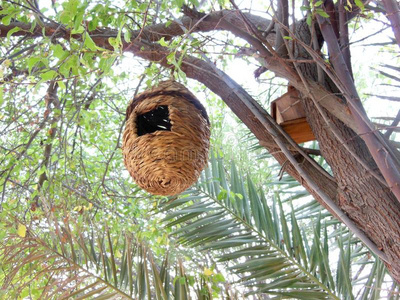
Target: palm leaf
98	265
233	220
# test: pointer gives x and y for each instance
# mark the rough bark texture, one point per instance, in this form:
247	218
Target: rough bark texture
369	204
366	201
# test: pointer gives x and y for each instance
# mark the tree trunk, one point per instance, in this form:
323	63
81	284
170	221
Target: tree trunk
370	204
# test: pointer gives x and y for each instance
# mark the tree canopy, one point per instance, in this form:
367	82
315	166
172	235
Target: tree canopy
268	218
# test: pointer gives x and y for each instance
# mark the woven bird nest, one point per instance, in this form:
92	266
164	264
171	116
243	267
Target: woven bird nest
166	139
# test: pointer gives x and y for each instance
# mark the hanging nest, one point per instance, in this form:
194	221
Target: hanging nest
166	139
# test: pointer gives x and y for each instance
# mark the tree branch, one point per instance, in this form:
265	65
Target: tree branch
393	125
378	149
282	16
344	35
151	33
393	14
51	99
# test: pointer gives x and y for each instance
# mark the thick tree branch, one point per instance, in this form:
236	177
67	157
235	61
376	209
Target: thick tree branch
393	14
377	148
153	32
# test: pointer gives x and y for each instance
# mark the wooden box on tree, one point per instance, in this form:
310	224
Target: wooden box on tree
288	112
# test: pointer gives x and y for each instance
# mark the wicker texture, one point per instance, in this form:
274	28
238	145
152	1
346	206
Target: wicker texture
167	162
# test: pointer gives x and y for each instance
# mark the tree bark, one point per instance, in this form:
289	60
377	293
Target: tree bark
372	206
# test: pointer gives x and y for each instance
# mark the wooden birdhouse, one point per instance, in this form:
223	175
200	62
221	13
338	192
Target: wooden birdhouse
288	112
166	139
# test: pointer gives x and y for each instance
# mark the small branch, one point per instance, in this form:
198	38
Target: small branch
390	98
330	9
14	73
309	151
253	29
344	35
393	14
387	74
317	48
282	15
393	125
51	99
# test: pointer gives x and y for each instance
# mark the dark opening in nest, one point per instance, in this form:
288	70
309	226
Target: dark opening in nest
151	121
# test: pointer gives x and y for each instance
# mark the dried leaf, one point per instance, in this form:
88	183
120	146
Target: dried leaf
21	230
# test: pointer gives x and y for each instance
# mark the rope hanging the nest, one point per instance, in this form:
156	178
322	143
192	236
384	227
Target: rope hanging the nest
166	139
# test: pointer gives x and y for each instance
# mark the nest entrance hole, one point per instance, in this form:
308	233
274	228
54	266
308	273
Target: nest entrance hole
154	120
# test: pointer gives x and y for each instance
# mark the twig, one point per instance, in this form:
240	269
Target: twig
393	14
392	126
344	35
51	99
390	98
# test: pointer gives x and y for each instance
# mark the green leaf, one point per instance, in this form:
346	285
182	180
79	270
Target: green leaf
1	95
318	3
113	42
127	36
13	30
49	75
32	61
6	20
65	17
61	84
93	24
162	42
285	228
360	5
179	3
89	42
222	195
59	52
309	20
322	13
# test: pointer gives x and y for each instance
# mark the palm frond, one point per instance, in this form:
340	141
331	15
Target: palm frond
269	251
81	263
234	219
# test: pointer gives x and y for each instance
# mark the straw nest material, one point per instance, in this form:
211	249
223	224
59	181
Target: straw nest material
166	139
